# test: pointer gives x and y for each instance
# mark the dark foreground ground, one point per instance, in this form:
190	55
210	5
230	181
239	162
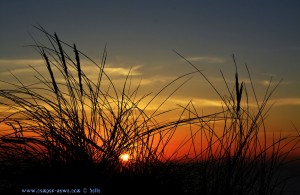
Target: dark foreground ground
84	180
292	173
78	180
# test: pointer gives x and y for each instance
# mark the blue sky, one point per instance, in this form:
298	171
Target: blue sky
142	34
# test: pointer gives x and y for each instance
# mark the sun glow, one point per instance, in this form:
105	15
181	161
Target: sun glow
125	157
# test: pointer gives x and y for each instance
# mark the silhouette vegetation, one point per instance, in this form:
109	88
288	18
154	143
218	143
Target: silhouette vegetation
67	130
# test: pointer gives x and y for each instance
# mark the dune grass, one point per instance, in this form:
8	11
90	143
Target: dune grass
239	159
67	130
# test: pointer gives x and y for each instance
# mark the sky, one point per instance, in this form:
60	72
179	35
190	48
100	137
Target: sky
143	34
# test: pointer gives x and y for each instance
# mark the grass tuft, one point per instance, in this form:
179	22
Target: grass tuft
69	131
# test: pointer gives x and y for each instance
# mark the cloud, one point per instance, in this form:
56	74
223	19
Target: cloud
267	83
21	66
134	71
202	102
286	102
206	59
18	65
174	102
20	62
159	79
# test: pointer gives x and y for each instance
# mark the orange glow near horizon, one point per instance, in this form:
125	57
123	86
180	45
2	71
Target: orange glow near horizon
171	151
182	135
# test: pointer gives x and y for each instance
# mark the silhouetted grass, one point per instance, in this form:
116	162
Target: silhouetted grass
75	128
238	159
68	131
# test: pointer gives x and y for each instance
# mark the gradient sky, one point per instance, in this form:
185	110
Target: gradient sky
262	34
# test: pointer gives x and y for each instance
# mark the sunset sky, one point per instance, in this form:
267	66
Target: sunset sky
142	34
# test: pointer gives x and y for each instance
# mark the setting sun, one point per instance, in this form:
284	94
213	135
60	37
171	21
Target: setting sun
125	157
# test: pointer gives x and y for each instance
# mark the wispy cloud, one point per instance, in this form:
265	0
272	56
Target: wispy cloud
134	71
174	102
286	102
206	59
178	102
18	66
18	62
202	102
21	65
267	82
